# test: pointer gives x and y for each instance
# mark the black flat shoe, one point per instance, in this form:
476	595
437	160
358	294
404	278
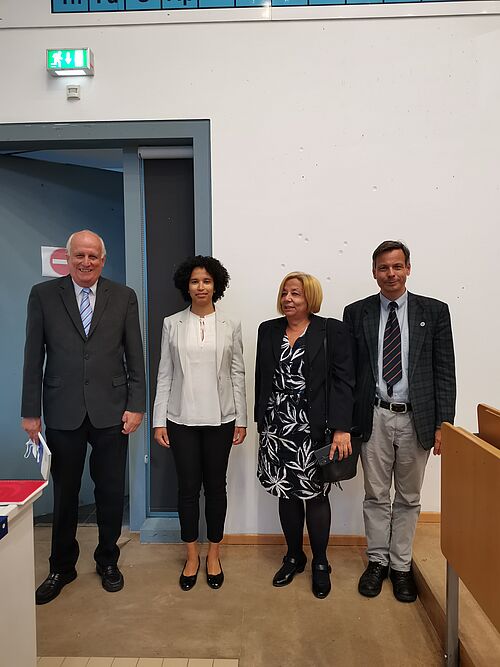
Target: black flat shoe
321	584
111	577
215	581
370	583
403	586
291	566
52	586
187	583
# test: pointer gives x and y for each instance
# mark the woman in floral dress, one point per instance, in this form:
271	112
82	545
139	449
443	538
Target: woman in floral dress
290	411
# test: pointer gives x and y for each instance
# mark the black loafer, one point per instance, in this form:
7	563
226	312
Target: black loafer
215	581
403	586
187	582
370	583
291	566
112	578
321	584
52	586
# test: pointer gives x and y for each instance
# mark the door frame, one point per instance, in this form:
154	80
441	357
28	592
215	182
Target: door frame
129	136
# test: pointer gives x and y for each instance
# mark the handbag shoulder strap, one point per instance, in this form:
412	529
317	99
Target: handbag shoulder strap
327	392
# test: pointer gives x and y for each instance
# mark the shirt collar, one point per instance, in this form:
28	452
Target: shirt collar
384	301
78	289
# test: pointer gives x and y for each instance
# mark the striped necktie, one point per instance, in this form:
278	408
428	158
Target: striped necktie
392	370
86	309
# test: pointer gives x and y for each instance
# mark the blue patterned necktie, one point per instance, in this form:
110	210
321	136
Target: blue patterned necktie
392	370
86	309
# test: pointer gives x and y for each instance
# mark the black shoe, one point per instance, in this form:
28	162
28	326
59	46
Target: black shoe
112	578
187	583
214	580
403	586
52	586
370	583
291	566
321	584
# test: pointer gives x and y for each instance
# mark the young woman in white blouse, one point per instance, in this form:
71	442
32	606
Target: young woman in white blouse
200	406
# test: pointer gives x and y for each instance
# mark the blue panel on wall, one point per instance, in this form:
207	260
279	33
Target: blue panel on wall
143	4
289	3
107	5
252	3
202	4
327	2
180	4
63	6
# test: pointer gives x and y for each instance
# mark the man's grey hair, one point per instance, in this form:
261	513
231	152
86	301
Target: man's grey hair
85	231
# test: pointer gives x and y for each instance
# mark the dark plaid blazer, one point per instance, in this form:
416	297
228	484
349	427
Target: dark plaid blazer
431	367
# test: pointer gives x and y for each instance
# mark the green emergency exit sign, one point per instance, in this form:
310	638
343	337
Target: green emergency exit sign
70	62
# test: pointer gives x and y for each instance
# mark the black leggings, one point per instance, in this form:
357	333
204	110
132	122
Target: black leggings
201	455
317	514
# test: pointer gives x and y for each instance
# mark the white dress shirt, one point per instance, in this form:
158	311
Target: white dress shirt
200	405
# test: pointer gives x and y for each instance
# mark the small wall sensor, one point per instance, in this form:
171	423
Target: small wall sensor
73	92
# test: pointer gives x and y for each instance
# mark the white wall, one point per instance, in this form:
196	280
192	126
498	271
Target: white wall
327	138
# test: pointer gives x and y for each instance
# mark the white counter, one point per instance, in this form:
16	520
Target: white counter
17	588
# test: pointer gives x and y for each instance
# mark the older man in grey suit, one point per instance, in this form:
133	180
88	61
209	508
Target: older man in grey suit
84	347
405	389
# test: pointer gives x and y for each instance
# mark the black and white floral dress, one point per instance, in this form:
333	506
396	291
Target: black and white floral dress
286	466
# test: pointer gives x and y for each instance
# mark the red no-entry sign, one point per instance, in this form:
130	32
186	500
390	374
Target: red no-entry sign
58	262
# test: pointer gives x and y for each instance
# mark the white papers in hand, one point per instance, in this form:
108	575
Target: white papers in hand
46	458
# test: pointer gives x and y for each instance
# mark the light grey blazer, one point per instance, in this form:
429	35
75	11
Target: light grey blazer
230	368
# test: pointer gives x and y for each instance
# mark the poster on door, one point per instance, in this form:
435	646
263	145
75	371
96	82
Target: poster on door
54	263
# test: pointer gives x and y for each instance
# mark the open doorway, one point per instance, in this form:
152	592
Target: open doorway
111	151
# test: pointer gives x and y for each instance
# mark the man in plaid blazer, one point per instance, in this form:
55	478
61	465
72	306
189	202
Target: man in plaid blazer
405	389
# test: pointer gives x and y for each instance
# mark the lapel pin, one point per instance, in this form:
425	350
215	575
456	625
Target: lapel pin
422	324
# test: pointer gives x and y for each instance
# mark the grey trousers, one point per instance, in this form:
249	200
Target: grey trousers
393	451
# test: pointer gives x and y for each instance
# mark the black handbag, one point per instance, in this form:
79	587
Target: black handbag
335	470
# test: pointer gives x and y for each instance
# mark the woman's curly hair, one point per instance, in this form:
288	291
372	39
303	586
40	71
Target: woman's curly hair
211	265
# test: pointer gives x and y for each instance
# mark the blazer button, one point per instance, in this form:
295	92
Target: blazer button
85	356
86	382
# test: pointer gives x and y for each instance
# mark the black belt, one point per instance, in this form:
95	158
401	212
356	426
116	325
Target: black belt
393	407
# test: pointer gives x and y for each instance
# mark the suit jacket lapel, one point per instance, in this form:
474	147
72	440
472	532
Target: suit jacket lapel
417	327
101	301
315	337
371	320
278	332
182	331
220	333
70	303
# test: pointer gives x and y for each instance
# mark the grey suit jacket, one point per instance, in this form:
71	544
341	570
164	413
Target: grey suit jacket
431	364
230	368
102	374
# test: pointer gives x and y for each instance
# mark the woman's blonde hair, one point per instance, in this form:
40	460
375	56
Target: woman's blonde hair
312	290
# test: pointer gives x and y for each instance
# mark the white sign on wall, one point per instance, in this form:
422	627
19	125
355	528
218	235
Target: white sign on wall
54	264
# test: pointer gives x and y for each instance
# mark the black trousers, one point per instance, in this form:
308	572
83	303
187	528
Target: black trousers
201	455
107	461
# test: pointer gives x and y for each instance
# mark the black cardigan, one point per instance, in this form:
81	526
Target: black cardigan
341	372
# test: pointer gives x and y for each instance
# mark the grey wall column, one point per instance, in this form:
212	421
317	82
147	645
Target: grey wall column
135	271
